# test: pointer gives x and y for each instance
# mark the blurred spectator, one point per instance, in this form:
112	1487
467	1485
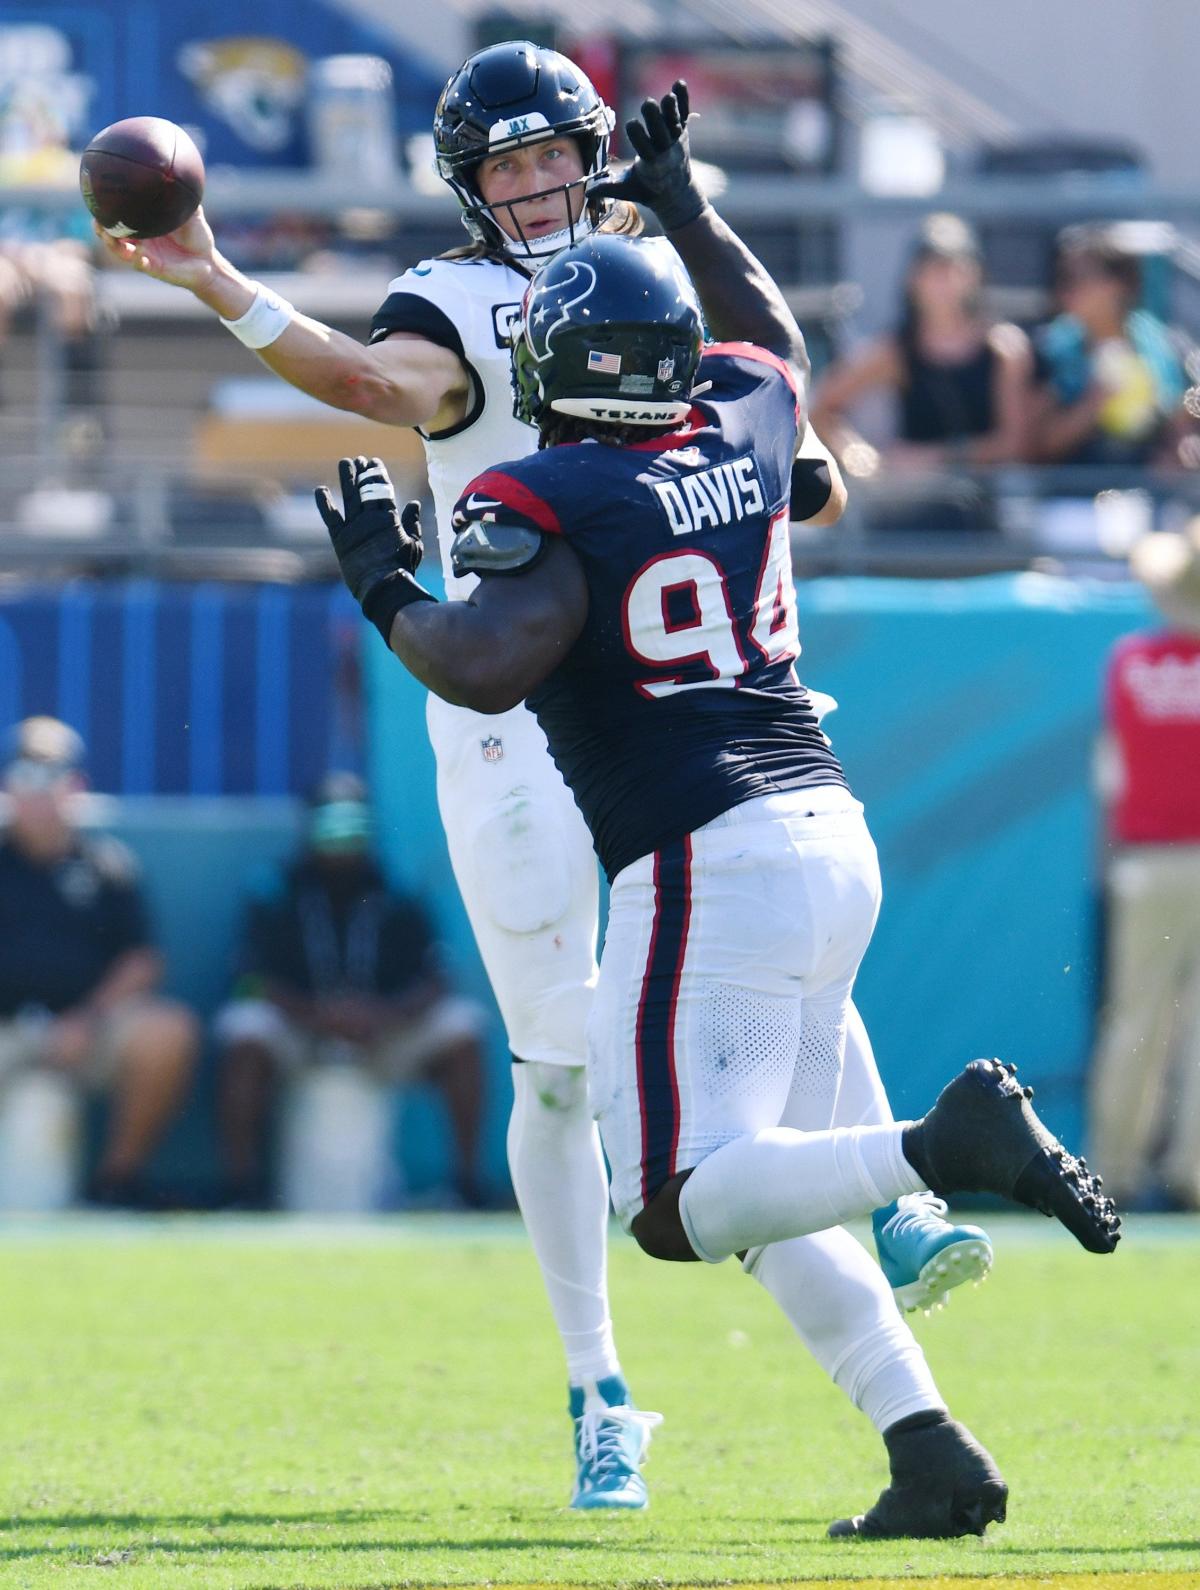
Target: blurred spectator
13	289
1111	380
47	254
1145	1084
54	279
60	269
339	970
960	380
77	965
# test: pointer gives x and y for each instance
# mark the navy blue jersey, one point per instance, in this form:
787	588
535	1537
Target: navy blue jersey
679	699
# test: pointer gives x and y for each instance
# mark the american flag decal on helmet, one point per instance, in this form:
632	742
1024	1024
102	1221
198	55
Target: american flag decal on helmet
492	748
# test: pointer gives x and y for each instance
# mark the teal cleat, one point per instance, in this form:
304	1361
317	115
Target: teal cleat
612	1438
923	1256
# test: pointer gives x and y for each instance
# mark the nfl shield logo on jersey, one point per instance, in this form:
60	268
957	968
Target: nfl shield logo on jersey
492	748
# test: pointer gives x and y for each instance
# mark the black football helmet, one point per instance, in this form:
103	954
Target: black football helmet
510	95
611	330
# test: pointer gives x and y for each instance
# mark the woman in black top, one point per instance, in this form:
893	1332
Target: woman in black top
961	381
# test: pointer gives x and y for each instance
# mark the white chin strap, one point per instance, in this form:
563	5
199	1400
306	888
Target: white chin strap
551	242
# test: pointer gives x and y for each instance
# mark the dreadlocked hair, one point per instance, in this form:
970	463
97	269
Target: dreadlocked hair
556	430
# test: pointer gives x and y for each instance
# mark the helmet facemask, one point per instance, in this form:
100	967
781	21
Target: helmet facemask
481	218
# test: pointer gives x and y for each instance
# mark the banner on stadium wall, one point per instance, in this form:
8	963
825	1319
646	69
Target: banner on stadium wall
966	720
239	78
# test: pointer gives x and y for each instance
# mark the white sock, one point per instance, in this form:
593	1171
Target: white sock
843	1311
778	1183
558	1175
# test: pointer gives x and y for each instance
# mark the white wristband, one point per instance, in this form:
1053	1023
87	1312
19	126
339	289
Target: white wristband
267	318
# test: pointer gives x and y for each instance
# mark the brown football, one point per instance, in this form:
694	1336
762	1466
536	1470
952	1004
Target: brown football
141	177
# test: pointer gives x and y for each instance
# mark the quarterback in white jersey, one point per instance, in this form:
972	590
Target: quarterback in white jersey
522	135
522	138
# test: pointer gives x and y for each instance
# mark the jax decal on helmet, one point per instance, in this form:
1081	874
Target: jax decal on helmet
505	97
612	331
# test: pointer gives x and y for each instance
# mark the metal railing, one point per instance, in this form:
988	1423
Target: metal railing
149	516
109	484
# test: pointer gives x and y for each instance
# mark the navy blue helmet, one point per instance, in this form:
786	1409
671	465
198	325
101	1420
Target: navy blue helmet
612	331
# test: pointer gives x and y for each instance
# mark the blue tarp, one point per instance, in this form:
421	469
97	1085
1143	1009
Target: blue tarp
189	689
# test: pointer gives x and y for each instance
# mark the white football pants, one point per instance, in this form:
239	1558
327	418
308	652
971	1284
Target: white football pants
524	864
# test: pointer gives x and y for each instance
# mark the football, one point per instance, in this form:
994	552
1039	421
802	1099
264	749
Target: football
141	177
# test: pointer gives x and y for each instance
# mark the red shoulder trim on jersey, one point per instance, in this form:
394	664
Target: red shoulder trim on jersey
516	495
751	350
690	427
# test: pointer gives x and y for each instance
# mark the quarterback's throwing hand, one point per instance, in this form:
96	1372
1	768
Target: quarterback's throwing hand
661	176
378	549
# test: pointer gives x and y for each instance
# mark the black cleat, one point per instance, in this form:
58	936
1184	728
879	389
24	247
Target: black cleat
944	1484
982	1135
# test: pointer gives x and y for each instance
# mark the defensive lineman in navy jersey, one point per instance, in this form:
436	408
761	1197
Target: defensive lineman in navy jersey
676	535
718	1032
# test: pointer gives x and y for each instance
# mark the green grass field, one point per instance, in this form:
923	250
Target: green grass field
188	1403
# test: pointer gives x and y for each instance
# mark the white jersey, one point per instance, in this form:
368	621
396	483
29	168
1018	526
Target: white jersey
468	306
521	853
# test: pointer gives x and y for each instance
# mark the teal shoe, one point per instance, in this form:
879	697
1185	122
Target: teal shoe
923	1256
611	1441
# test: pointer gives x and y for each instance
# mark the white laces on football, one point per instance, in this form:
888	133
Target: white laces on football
600	1432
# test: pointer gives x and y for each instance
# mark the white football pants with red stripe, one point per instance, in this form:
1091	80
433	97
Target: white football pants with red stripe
725	984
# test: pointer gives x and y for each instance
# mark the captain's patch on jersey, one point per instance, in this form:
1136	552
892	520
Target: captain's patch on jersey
492	748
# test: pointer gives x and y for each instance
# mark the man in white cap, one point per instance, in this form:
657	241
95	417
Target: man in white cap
78	967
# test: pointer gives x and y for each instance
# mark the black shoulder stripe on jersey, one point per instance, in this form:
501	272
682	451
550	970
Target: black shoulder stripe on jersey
411	312
811	486
483	548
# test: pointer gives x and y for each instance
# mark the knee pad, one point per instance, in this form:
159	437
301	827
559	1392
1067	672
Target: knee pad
522	864
558	1089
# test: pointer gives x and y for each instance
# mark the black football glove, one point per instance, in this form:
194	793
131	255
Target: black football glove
378	549
661	176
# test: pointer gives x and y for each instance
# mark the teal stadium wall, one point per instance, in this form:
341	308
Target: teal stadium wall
967	721
967	715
